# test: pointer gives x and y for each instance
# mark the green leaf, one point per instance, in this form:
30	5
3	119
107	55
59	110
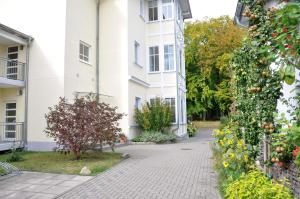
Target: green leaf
289	74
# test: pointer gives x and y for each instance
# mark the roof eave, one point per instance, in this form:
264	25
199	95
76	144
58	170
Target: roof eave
186	9
26	38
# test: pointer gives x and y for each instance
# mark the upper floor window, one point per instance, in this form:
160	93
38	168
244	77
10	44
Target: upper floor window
153	10
169	57
84	52
142	8
167	9
154	58
137	53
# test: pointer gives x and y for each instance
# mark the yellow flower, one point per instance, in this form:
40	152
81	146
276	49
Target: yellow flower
229	142
246	158
231	155
225	164
221	143
240	143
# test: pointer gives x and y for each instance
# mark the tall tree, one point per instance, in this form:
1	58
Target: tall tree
209	49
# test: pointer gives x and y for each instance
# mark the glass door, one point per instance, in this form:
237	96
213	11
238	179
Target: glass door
12	62
10	121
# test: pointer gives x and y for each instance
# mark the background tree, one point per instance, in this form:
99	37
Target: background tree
209	49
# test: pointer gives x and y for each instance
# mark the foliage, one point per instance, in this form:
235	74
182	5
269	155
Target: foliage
14	156
154	116
156	137
53	162
191	129
82	124
209	47
2	171
255	185
232	156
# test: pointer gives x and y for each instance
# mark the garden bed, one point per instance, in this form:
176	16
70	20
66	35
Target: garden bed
54	162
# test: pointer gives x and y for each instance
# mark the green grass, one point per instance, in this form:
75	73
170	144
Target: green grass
206	124
54	162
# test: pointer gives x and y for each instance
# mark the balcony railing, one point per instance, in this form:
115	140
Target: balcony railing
12	132
12	69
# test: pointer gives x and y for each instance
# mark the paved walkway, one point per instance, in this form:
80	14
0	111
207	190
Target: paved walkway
38	185
176	171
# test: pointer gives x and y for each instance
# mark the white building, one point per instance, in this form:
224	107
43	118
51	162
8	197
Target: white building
127	51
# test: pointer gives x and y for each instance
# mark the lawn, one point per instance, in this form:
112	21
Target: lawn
206	124
54	162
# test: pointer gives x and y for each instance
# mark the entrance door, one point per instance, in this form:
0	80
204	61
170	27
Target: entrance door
12	62
10	121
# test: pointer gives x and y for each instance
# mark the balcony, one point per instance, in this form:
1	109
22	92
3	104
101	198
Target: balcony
12	73
12	135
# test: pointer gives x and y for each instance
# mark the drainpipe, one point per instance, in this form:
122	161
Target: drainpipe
97	51
177	86
26	76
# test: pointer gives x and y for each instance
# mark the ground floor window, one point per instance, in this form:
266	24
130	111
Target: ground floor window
171	102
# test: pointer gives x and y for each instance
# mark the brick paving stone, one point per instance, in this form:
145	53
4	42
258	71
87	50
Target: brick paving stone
177	171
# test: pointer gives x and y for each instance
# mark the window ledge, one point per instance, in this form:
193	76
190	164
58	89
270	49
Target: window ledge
169	71
85	62
137	64
154	72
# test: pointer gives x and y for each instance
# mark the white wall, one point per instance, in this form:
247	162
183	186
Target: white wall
45	22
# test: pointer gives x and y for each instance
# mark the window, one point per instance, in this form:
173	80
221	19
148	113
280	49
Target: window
154	58
171	102
153	10
12	62
10	119
137	53
167	9
178	13
169	57
180	62
142	8
84	52
138	103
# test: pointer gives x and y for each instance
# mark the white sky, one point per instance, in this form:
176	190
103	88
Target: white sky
212	8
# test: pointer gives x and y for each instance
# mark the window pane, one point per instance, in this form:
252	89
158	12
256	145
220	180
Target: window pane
12	56
11	113
13	49
11	106
156	62
155	17
81	49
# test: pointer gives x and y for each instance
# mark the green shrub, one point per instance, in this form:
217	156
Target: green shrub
155	116
255	185
224	120
156	137
2	171
191	129
14	156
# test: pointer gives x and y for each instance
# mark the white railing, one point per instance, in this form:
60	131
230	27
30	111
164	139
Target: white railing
12	69
12	132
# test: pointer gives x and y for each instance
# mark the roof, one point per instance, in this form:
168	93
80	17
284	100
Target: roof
238	18
14	32
186	9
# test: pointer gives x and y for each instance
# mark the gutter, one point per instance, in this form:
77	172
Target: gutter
97	50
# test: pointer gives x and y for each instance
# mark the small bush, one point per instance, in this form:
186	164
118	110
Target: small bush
255	185
2	171
14	156
156	137
191	129
155	116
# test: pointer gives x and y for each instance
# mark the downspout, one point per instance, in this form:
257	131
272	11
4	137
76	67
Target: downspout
97	51
26	92
177	89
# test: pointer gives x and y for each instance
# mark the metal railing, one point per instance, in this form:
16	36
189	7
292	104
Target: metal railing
12	132
12	69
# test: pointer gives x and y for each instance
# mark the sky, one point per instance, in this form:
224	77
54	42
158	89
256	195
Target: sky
212	8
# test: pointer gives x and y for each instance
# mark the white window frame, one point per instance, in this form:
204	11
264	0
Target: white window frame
154	55
170	67
169	7
82	55
142	8
138	103
153	10
10	123
137	53
11	70
169	98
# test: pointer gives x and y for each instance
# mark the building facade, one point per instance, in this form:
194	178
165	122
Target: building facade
126	51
